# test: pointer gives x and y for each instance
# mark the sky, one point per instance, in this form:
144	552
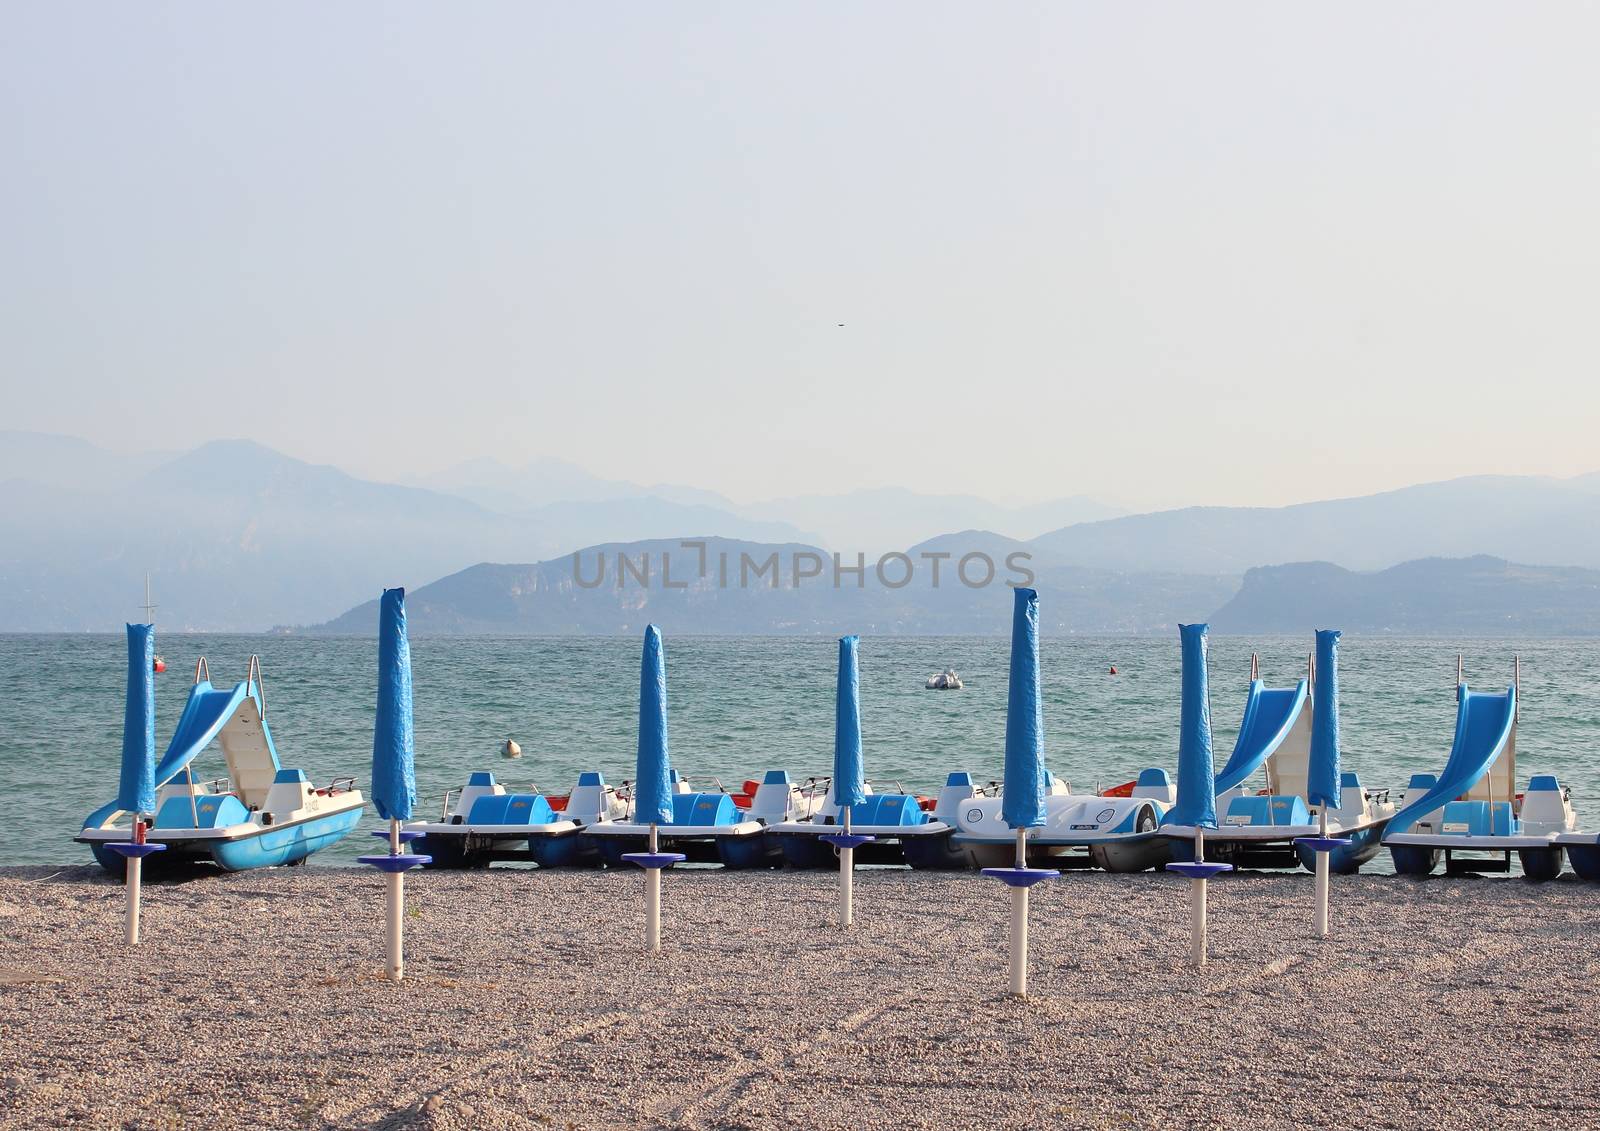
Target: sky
1162	253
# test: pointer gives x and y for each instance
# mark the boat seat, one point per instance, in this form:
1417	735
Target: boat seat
1473	818
704	809
511	809
216	811
1154	783
1272	809
888	809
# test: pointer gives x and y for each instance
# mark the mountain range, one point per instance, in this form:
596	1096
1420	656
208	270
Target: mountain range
238	537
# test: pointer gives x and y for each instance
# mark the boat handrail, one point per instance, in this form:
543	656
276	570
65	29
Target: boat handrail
252	674
202	670
444	813
342	784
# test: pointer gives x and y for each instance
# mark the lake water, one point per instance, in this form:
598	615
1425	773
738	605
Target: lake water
741	705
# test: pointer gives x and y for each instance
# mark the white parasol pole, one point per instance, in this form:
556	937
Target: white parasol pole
1322	880
652	900
1197	903
847	876
133	875
397	903
1019	924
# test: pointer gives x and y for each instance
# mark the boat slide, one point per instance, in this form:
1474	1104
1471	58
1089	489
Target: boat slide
259	816
1470	813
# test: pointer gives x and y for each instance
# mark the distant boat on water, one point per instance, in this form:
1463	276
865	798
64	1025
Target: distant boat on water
946	680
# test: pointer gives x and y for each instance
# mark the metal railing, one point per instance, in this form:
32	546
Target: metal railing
252	674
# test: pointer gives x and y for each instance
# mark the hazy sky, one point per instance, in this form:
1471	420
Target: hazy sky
1245	253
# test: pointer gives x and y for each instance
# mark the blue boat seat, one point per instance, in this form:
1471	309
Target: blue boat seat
512	809
1474	818
893	809
1542	782
1269	810
704	809
215	812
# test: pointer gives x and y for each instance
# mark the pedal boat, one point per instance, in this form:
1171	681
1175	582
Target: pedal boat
1470	813
483	822
711	827
1115	831
261	815
898	823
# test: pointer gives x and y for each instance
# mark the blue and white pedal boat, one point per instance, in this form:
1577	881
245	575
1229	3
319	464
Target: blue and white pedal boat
708	828
896	821
259	816
1470	814
483	822
1081	830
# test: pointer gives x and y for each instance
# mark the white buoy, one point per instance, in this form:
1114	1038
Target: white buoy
511	749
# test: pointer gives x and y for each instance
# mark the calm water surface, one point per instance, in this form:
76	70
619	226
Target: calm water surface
741	705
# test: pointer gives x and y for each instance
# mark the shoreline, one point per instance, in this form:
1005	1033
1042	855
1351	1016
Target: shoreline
257	999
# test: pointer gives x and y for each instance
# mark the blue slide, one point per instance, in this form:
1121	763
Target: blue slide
1269	715
1483	726
204	716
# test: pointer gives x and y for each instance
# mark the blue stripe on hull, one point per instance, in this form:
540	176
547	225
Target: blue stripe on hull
287	845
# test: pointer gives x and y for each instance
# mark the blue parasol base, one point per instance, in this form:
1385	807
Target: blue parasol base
1322	843
651	860
1203	870
1021	877
846	840
131	850
398	863
406	835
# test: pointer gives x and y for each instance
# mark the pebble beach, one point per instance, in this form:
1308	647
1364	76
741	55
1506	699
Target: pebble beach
258	1000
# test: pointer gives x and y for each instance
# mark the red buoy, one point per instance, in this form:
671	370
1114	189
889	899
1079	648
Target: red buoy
160	665
1113	669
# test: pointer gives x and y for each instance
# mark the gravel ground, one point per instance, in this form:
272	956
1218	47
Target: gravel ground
257	1000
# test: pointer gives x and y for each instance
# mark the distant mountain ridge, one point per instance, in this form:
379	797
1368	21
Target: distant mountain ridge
1476	596
238	537
1522	518
762	588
